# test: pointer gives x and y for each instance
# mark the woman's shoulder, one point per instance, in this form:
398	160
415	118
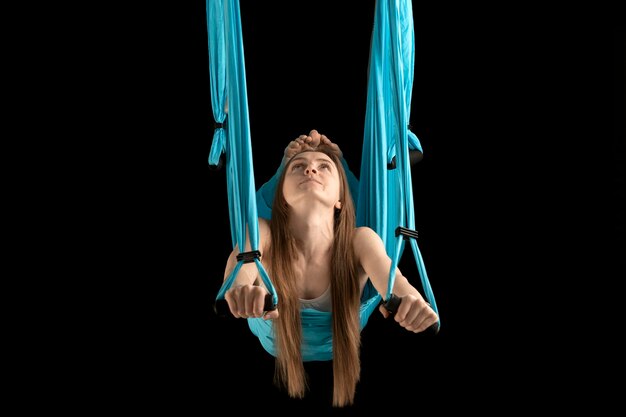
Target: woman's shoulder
364	232
368	245
365	237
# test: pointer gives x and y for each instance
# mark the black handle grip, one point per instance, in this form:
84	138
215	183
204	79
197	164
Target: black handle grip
393	303
222	310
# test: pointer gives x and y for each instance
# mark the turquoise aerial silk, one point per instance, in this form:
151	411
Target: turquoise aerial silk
383	197
229	95
386	196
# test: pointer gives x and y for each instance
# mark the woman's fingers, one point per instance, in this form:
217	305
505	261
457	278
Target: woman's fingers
247	301
232	303
415	315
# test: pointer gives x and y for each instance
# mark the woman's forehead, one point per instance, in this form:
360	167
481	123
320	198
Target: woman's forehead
311	156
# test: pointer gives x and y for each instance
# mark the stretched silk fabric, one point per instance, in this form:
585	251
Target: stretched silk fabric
383	197
385	200
229	95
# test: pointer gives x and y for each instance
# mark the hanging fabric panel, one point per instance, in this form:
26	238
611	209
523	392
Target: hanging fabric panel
228	64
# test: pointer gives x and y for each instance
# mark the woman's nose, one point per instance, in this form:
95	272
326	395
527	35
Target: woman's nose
310	170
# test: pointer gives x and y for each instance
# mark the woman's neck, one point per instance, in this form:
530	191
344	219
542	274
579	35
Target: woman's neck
313	232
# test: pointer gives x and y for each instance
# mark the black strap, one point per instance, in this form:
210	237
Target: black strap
247	257
407	233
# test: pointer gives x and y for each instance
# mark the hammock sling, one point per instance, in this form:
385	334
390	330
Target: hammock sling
383	194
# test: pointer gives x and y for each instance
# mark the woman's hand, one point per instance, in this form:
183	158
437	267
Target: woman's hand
247	301
414	314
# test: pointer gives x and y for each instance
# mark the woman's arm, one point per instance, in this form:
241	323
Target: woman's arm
414	313
245	297
248	273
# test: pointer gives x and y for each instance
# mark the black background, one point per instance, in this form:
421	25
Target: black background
519	205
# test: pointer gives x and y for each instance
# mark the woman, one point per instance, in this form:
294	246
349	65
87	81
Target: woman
320	264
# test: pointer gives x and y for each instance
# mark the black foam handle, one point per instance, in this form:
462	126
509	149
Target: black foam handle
222	310
393	303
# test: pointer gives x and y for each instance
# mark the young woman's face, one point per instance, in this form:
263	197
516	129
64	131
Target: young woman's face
311	176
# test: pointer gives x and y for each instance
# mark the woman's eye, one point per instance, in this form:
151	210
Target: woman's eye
324	166
296	166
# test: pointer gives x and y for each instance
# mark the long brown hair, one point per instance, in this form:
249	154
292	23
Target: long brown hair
345	290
